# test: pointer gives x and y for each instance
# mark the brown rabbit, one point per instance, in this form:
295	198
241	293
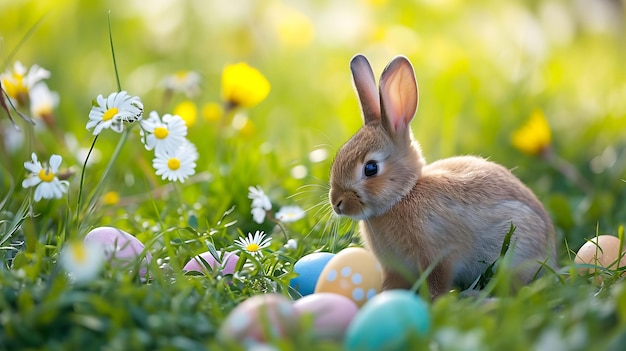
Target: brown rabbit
453	213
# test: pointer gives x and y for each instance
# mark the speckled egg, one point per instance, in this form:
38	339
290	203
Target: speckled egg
390	321
119	247
353	273
331	313
603	251
309	268
229	262
260	318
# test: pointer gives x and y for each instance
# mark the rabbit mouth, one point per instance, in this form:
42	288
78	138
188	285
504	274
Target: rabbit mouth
348	204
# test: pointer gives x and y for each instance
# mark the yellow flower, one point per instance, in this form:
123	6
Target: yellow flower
534	136
111	198
293	27
243	85
212	111
188	111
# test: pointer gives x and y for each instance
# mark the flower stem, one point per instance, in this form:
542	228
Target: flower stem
103	178
82	179
117	75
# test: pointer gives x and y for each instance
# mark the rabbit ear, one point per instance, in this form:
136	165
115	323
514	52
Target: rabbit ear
365	86
399	94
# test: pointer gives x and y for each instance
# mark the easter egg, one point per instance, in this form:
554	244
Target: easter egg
353	273
119	247
331	313
259	319
229	262
309	268
603	251
390	321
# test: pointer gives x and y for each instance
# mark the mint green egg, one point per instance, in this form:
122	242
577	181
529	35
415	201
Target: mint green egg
389	321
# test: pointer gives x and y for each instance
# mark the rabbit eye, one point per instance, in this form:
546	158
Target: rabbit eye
370	169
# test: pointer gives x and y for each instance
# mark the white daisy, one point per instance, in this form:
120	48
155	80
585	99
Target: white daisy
291	244
289	214
43	101
82	260
44	178
259	199
163	134
254	244
187	82
258	214
260	203
19	82
113	111
176	165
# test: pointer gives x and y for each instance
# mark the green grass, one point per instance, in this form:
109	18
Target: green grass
482	69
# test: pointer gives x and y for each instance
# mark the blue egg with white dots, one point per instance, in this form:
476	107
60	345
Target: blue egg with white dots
309	268
390	321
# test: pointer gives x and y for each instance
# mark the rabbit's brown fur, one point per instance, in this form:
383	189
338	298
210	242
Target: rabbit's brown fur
454	211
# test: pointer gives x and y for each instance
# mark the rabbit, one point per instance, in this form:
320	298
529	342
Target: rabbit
453	214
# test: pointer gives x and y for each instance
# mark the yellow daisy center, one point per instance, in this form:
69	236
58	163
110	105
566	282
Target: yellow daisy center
46	175
109	113
173	164
15	88
252	247
79	252
181	76
161	132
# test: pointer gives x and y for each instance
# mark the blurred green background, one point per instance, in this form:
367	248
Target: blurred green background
482	66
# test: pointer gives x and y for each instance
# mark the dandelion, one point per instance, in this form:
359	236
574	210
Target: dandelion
212	111
18	83
253	244
293	27
176	165
243	85
188	111
111	198
163	134
44	178
260	203
113	111
289	214
82	260
534	136
42	103
187	82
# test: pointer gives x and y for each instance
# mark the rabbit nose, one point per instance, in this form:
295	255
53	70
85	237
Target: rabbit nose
337	207
335	198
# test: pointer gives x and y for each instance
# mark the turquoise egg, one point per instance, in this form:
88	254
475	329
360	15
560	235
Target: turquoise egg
389	321
309	268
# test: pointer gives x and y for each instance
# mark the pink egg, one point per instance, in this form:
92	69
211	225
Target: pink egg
119	247
332	313
229	261
259	319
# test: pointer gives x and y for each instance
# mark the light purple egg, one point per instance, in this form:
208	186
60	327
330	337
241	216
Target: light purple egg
229	260
260	318
119	247
332	313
